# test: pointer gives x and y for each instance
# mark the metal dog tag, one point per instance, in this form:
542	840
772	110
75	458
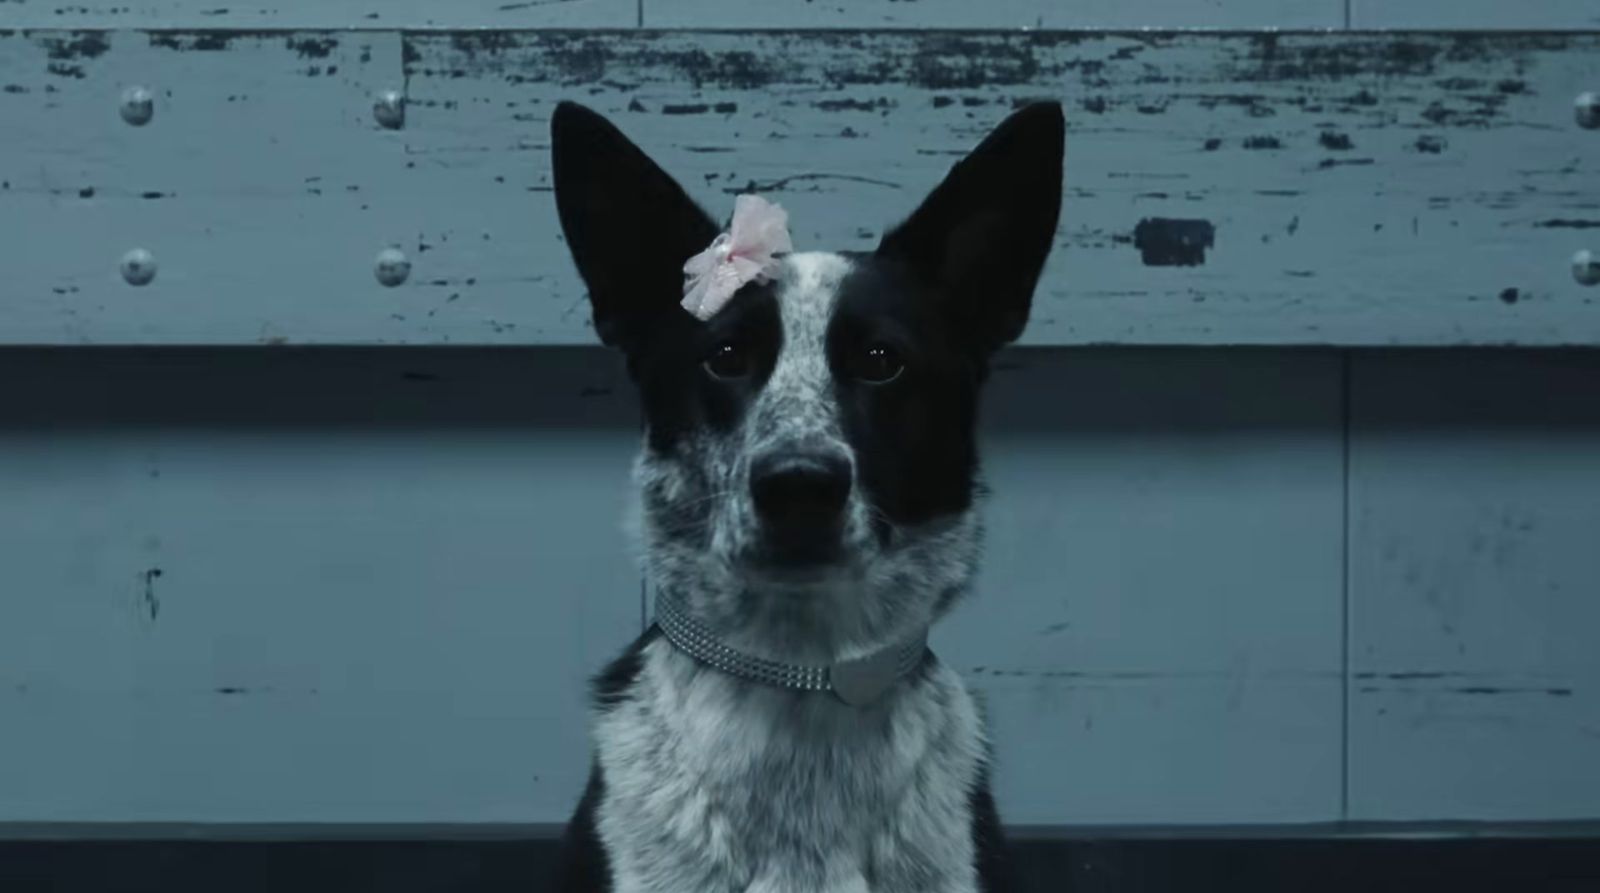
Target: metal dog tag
862	681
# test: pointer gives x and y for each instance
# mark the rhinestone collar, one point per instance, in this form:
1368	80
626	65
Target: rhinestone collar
857	682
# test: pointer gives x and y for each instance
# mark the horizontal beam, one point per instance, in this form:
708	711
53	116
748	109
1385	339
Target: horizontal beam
1222	189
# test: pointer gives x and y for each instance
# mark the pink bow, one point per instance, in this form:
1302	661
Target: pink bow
744	254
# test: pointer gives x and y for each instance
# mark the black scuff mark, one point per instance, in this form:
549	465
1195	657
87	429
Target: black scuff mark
1431	145
312	47
699	108
81	45
1567	223
1510	296
472	44
147	595
14	89
782	183
154	196
1334	141
1168	242
1213	144
529	4
86	192
1364	98
198	41
1327	163
1055	628
853	105
63	70
230	690
1260	143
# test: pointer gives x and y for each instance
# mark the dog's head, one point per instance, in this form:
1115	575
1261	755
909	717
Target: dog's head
809	466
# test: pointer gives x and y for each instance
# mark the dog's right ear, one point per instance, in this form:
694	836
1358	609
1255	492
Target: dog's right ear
629	225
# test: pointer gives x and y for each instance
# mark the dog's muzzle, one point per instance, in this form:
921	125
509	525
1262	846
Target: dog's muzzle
800	498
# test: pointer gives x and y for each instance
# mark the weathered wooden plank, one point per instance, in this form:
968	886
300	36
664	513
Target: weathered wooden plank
1475	509
1579	15
1223	189
1052	14
1157	626
319	14
289	586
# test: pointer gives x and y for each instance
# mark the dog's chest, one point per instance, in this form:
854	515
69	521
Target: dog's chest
715	785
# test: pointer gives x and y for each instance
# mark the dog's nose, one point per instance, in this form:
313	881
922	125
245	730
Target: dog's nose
800	488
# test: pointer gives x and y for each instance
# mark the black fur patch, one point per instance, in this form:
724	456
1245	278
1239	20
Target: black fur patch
611	685
914	440
585	867
995	873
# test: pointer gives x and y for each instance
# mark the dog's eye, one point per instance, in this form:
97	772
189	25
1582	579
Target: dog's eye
878	364
728	360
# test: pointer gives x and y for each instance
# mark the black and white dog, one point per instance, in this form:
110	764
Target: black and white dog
807	484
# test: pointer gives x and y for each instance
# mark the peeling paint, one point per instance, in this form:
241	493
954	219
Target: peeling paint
1164	242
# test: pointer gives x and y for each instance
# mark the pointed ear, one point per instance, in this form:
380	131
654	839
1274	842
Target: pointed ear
629	225
981	238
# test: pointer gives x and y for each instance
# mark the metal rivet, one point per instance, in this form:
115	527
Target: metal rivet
1586	108
393	267
390	110
1586	267
138	106
139	267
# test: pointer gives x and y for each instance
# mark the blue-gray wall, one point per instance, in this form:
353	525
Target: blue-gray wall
1243	567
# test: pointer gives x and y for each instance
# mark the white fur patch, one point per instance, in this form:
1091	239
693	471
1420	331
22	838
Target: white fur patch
719	785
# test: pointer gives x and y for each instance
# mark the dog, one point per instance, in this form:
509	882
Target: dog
807	487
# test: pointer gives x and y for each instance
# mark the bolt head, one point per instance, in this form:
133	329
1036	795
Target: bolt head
392	267
1586	109
1586	267
390	110
138	106
138	267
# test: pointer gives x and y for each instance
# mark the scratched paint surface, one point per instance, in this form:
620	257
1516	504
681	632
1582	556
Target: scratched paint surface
993	14
298	14
1223	189
1475	509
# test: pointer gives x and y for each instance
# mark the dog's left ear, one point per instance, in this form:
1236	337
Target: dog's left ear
981	238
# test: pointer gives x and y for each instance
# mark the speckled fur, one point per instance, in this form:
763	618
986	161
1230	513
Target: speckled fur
717	784
704	782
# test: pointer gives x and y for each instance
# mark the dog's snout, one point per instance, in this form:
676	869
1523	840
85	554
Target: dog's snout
800	487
